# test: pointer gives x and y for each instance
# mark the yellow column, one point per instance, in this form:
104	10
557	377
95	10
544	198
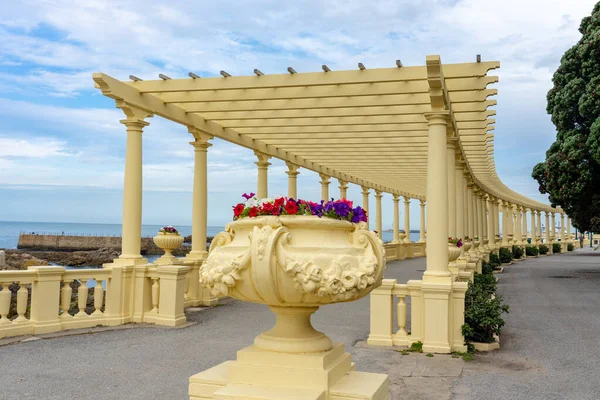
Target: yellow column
200	194
422	226
262	187
548	229
490	225
396	219
504	206
480	218
407	219
324	187
469	211
533	228
132	191
343	189
539	223
484	216
518	226
496	219
378	218
437	197
568	229
563	245
524	225
365	205
509	222
292	174
437	280
451	165
552	231
459	206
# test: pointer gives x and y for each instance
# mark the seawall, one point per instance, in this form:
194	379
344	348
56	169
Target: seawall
44	242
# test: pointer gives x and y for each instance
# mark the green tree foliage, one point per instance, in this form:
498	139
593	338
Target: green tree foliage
571	172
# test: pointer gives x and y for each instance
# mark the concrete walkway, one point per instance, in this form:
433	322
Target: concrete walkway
550	348
551	342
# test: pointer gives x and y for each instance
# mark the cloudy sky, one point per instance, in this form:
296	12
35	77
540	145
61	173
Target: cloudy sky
62	147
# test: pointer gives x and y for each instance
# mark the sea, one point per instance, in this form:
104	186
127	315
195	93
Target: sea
10	230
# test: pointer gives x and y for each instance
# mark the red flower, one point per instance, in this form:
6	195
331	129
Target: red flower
291	207
253	212
279	202
238	210
268	208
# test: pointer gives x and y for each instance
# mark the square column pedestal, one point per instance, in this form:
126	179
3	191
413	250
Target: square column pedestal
259	374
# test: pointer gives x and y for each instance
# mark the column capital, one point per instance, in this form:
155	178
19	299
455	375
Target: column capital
437	117
406	200
378	194
292	169
365	190
199	135
422	203
343	184
134	116
263	159
396	198
324	179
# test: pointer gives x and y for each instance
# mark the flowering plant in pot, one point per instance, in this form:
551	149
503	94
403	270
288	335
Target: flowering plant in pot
294	256
168	239
454	245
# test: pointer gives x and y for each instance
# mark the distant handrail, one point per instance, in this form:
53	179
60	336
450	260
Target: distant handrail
39	233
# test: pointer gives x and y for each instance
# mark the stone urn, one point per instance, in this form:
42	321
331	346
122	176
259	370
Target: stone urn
402	236
167	242
294	264
453	252
467	244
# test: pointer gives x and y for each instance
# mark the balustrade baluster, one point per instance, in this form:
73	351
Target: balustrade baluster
155	292
67	293
401	315
22	296
82	294
98	298
4	303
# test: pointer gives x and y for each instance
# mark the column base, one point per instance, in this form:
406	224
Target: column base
259	374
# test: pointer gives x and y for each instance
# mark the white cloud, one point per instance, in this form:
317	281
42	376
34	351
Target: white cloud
41	148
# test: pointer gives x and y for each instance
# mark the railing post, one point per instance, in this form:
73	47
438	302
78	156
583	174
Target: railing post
119	299
382	314
45	299
143	296
171	297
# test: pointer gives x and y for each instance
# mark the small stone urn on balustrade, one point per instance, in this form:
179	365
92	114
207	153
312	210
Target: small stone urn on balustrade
168	239
293	264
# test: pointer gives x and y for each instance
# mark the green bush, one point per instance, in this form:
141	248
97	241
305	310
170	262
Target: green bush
531	251
543	249
483	310
517	252
570	247
494	260
556	247
486	268
505	255
529	240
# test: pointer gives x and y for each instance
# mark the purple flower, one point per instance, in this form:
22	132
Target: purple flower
358	215
248	196
342	209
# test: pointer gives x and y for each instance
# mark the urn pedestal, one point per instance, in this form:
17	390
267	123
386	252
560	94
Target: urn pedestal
293	264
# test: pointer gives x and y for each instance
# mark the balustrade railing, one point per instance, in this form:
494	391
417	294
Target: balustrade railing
48	299
402	251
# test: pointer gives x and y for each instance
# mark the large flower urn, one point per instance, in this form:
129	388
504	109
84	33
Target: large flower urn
453	252
294	264
167	242
467	244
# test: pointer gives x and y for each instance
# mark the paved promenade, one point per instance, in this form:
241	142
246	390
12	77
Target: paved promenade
549	349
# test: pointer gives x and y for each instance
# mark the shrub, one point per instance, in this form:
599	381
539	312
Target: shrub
517	251
486	268
483	310
529	240
556	247
531	251
494	260
570	247
505	255
543	249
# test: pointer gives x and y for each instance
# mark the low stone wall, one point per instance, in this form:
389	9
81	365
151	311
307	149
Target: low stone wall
73	243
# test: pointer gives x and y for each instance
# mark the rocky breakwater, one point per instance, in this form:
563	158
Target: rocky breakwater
18	259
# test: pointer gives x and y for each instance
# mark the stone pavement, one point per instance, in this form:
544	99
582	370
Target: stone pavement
549	348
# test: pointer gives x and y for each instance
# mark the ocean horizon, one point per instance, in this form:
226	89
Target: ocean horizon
10	230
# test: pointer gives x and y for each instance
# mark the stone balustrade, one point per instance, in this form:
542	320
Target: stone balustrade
382	330
402	251
44	299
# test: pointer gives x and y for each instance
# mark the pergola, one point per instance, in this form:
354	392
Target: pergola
370	127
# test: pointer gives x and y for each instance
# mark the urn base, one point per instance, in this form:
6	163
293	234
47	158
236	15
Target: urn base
266	375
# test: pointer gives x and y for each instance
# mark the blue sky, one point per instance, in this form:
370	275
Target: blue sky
62	147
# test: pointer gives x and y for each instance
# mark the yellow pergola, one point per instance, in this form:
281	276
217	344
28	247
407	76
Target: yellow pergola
370	127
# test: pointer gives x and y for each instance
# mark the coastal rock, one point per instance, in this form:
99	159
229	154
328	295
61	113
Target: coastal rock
16	260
